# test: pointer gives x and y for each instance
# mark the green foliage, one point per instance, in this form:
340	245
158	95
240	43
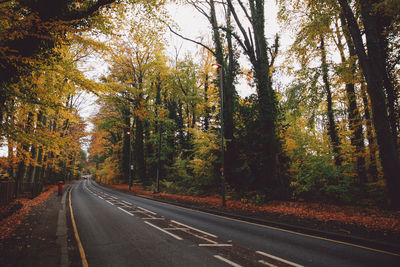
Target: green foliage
317	179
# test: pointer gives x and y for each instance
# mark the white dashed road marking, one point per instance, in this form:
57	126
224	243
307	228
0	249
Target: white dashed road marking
195	229
126	211
227	261
164	231
278	259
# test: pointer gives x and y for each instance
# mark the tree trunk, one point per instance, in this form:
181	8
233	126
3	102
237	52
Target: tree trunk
139	152
126	142
374	75
332	128
206	121
372	169
355	123
21	170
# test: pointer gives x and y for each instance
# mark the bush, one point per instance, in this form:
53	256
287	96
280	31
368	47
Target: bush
318	179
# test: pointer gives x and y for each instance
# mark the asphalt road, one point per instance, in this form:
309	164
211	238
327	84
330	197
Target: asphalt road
117	229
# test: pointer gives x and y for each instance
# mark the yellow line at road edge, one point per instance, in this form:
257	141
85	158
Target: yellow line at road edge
284	230
78	240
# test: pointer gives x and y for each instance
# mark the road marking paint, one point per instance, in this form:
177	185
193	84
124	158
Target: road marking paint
147	210
126	211
204	238
162	230
283	230
279	259
78	240
215	245
124	205
175	228
100	197
266	263
109	202
227	261
153	218
126	202
195	229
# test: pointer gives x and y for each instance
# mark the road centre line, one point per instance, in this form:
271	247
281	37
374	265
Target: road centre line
126	211
278	259
227	261
215	245
147	211
164	231
266	263
195	229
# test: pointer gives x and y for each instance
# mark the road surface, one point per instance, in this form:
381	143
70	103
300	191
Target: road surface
117	229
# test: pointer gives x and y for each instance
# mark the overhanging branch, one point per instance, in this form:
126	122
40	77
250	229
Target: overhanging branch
193	41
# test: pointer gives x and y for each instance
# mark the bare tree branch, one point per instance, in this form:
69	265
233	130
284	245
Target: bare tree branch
274	52
247	43
193	41
244	10
200	9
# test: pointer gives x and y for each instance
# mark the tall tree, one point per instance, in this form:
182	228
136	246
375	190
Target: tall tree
372	60
262	57
332	128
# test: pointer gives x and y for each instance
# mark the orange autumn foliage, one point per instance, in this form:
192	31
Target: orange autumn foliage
369	218
10	224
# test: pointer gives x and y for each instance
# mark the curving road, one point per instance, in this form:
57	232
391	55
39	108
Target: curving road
117	229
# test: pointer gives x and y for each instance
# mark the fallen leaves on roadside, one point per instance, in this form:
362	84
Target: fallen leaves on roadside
370	218
9	225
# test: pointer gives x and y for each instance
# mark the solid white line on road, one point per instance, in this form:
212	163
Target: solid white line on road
152	218
195	229
278	259
126	202
227	261
215	245
109	202
147	211
126	211
266	263
162	230
100	197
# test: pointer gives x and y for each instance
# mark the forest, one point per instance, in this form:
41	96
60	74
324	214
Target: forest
321	124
